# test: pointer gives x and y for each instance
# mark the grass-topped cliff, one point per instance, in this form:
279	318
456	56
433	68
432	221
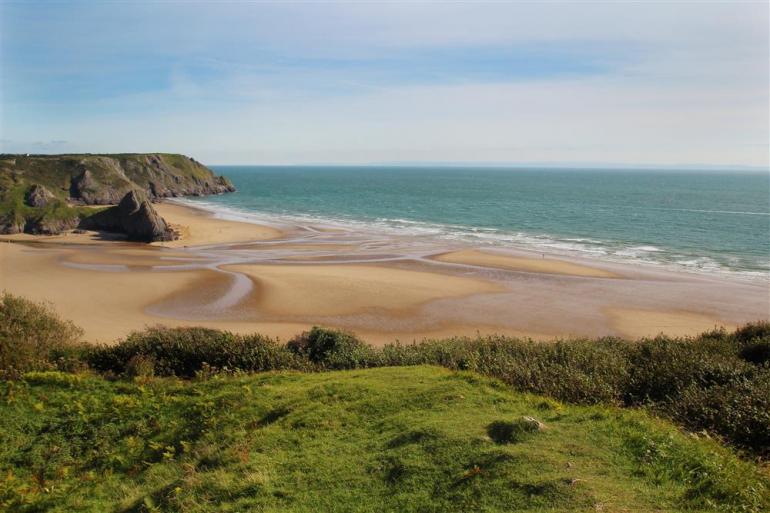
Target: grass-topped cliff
49	193
203	420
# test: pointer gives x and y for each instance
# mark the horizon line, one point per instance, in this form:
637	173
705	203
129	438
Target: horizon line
514	165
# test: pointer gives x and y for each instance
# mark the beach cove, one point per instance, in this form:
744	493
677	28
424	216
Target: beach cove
282	279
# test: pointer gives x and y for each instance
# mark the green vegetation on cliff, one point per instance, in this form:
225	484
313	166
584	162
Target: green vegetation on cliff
66	182
193	419
390	439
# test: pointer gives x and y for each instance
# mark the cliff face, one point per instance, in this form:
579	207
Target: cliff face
47	193
105	179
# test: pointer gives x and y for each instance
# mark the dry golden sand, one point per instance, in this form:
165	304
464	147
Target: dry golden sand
386	303
197	227
638	323
347	289
533	265
109	305
105	304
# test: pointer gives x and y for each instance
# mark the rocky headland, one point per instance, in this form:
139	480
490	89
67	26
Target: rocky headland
48	194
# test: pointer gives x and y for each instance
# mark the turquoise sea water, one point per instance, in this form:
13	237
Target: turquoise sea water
707	221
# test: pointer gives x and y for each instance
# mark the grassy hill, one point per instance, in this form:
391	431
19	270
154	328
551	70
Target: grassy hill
389	439
193	419
89	179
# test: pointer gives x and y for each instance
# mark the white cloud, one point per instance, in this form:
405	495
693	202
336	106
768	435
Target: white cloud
693	87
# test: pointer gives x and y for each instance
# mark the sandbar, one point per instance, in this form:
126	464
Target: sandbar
512	263
347	289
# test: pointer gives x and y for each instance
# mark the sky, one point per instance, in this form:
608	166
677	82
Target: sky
634	83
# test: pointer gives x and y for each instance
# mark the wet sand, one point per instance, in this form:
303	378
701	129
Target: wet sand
279	281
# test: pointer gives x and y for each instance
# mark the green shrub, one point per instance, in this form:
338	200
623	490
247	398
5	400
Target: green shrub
34	337
701	383
184	352
140	365
578	371
753	330
663	368
332	349
753	341
718	382
757	352
739	411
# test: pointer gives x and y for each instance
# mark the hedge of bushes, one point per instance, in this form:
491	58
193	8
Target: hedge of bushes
33	337
186	352
718	382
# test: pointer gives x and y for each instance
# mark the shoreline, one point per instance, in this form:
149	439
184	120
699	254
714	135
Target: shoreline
281	280
521	249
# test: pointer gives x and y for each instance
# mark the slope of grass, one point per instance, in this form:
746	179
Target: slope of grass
719	381
389	439
14	209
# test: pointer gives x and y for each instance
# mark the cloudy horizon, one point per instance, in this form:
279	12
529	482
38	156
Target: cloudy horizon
680	84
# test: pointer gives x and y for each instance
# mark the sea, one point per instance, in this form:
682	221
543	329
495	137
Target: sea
707	221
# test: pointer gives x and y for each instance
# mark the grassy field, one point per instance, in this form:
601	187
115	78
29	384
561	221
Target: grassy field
388	439
191	419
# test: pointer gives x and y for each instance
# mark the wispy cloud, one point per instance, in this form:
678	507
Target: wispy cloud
255	82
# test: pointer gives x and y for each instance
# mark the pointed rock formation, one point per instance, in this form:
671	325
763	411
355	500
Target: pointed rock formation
135	217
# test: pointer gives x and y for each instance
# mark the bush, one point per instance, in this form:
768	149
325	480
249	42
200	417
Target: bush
663	368
332	349
184	352
578	371
719	382
757	352
704	383
752	331
34	337
739	411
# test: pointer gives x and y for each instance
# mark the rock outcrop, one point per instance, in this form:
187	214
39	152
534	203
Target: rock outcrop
49	225
133	216
38	196
11	224
57	188
87	189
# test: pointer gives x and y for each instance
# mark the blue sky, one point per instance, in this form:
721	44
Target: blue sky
244	82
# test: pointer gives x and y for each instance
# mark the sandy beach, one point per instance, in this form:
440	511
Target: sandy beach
197	227
534	265
279	281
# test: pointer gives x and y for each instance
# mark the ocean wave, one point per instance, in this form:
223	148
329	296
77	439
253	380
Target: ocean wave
613	251
703	211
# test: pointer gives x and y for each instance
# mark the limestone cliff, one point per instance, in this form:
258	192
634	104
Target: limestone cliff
48	193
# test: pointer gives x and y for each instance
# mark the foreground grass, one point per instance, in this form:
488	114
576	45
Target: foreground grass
387	439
